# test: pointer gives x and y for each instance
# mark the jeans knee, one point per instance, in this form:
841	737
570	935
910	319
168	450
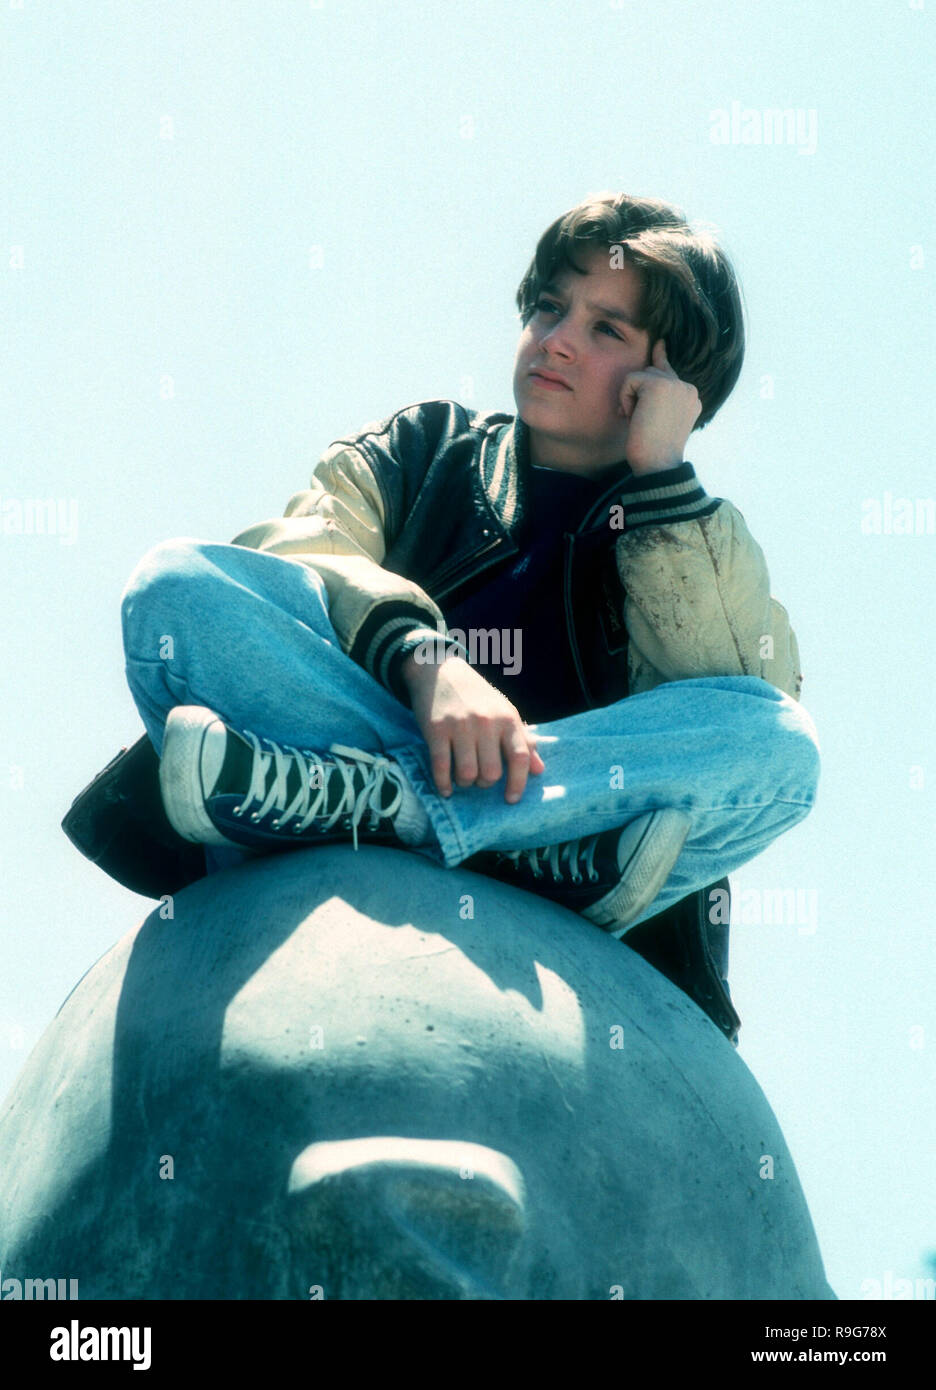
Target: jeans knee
155	583
801	752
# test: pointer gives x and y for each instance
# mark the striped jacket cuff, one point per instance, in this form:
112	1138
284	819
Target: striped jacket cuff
386	638
658	499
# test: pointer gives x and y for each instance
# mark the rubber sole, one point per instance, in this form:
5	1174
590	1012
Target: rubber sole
180	776
658	838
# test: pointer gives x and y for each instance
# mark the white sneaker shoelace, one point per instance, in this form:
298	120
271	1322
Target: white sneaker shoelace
314	774
550	855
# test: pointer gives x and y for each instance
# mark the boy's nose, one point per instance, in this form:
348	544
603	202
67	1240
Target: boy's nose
559	341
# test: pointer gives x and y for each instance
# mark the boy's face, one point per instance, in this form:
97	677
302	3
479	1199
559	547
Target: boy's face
580	428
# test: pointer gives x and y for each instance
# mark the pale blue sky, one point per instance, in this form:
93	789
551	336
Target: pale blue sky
310	215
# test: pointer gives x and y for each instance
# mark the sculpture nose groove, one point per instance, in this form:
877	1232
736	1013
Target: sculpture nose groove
450	1212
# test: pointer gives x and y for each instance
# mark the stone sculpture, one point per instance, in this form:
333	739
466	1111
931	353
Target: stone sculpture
358	1075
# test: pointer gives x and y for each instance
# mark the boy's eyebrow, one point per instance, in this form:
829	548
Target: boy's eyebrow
609	311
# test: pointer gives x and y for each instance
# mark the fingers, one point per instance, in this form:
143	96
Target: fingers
536	763
440	757
474	739
630	391
652	376
465	748
490	769
518	753
477	754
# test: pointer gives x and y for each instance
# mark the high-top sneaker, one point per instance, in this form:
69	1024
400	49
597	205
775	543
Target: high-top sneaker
610	878
223	786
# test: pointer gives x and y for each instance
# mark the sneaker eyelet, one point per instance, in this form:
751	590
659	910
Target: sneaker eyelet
275	824
593	877
255	816
295	829
237	810
577	878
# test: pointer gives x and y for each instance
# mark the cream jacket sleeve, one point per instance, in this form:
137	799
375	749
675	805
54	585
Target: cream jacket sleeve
698	600
336	527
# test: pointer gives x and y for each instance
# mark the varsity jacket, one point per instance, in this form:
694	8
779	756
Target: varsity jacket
661	581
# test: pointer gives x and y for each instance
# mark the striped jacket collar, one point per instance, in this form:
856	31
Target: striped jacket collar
662	498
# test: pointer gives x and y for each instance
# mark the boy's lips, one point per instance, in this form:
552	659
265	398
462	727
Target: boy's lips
549	379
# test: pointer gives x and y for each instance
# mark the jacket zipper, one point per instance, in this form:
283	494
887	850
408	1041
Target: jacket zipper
569	543
569	539
461	569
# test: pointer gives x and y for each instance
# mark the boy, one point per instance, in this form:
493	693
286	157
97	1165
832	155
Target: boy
645	726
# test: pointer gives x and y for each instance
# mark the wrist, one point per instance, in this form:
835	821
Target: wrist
657	466
424	660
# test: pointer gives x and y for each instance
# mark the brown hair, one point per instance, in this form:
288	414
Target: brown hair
690	293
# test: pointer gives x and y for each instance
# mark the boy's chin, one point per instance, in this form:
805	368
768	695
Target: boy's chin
550	425
548	414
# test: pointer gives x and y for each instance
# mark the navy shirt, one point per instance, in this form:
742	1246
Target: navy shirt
527	656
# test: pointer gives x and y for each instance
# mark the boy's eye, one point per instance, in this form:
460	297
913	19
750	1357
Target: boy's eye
548	304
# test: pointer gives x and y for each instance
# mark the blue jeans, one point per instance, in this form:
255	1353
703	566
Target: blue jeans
248	635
